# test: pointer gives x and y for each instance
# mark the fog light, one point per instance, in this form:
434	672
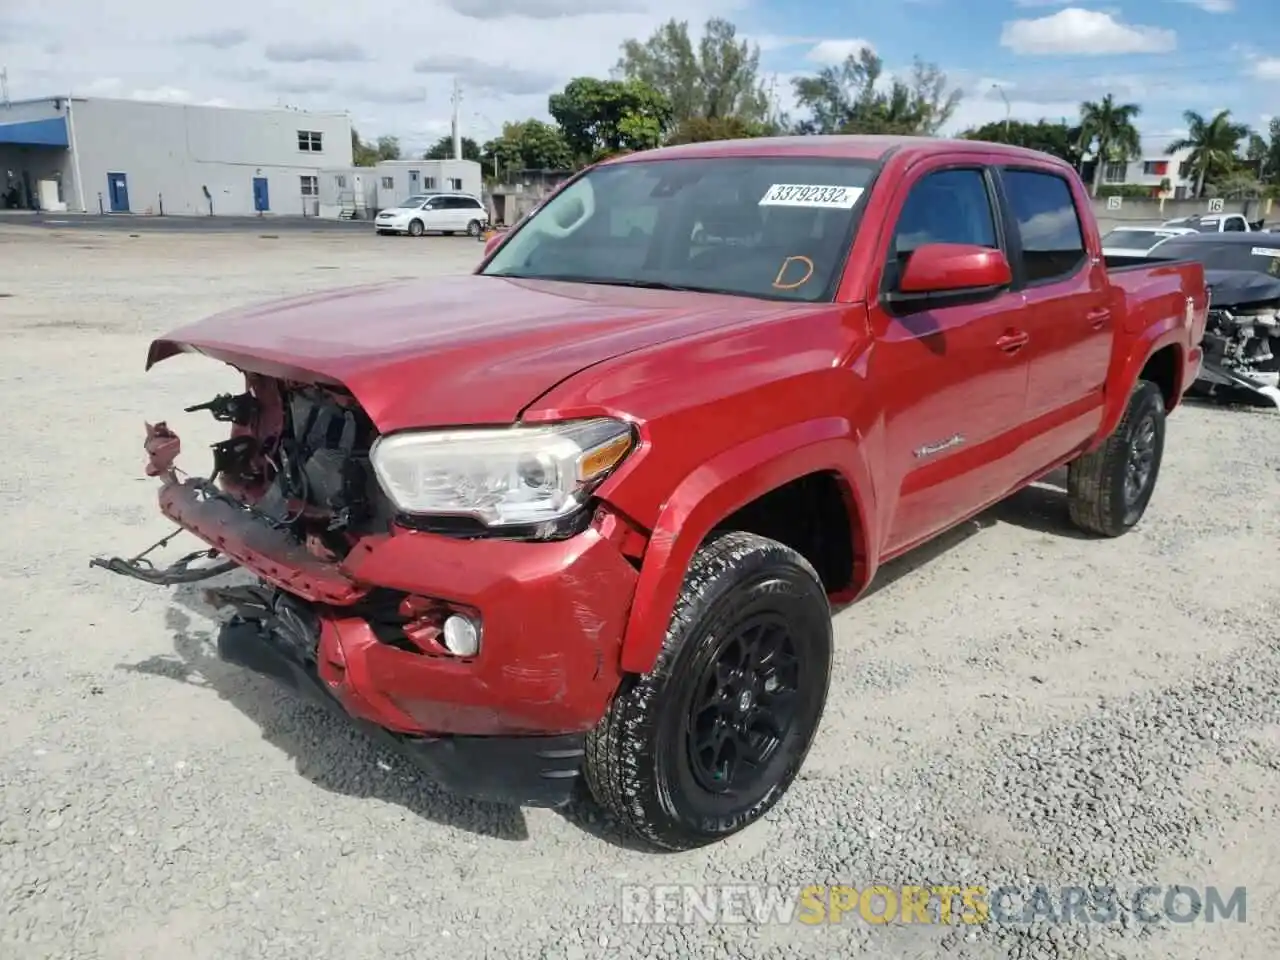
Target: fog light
461	636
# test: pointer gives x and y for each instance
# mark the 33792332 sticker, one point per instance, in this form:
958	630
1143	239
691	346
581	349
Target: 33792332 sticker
811	195
1264	252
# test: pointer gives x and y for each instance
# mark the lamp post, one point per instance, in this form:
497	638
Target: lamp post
1008	110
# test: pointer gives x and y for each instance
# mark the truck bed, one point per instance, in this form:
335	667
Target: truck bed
1120	262
1147	291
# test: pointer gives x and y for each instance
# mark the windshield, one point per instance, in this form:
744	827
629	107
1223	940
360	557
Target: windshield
763	227
1262	257
1133	239
415	201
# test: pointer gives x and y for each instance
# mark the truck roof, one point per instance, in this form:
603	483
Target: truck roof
851	146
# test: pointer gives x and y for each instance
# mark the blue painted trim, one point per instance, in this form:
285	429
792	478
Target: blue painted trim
36	133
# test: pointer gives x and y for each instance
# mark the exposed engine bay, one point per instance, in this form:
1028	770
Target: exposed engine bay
297	459
298	456
1242	339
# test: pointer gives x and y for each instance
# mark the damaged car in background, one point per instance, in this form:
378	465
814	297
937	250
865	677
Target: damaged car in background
1242	338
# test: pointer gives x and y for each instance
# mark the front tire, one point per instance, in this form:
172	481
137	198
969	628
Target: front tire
708	742
415	228
474	228
1108	490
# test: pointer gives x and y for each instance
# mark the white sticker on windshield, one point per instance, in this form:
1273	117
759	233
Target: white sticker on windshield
1265	252
810	195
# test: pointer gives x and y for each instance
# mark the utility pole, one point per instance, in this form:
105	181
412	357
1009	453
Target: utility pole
457	123
4	85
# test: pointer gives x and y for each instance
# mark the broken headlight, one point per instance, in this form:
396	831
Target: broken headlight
503	476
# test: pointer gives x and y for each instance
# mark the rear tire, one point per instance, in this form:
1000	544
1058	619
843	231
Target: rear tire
743	672
415	228
1109	489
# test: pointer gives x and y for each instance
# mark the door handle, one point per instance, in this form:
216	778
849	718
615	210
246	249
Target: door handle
1098	318
1012	341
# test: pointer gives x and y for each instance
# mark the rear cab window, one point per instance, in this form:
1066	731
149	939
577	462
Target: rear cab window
1051	237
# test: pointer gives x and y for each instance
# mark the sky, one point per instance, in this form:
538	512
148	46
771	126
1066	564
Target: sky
391	64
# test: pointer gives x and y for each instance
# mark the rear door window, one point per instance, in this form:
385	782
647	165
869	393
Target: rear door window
1048	224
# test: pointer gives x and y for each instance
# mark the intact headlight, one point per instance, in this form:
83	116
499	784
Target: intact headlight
503	476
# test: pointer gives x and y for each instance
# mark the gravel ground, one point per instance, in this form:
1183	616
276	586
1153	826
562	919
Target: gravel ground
1014	704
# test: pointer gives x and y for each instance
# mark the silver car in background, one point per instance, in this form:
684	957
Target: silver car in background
1138	241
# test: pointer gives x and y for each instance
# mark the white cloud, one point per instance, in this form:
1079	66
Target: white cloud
1267	68
832	53
768	42
255	54
1084	32
976	111
1213	6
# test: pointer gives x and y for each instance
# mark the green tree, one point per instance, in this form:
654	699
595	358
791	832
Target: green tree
1271	164
702	129
603	117
526	145
851	98
442	149
721	78
364	154
1213	143
1107	128
1057	139
1238	184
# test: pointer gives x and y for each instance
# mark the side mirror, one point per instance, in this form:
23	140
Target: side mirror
940	268
492	243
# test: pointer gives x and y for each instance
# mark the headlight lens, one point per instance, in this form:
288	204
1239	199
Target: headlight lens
506	476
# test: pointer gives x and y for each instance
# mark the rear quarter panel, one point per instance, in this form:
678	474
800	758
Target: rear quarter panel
1150	304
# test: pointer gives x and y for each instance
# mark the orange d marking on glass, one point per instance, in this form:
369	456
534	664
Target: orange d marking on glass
778	283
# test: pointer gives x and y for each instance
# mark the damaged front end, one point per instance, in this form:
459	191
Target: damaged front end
1242	340
296	463
484	655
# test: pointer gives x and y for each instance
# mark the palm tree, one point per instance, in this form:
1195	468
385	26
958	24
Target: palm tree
1212	143
1108	127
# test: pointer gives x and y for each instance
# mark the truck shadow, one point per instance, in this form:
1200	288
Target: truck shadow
331	755
1041	507
342	760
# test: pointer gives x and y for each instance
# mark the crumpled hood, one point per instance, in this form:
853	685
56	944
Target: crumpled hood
453	350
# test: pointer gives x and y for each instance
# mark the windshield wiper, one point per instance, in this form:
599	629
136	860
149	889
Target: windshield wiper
642	284
609	282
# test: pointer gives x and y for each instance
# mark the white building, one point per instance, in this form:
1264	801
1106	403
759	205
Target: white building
398	179
127	156
1151	171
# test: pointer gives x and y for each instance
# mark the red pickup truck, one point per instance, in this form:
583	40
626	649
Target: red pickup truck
579	517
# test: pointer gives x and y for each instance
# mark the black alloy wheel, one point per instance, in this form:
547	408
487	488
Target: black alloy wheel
743	706
711	738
